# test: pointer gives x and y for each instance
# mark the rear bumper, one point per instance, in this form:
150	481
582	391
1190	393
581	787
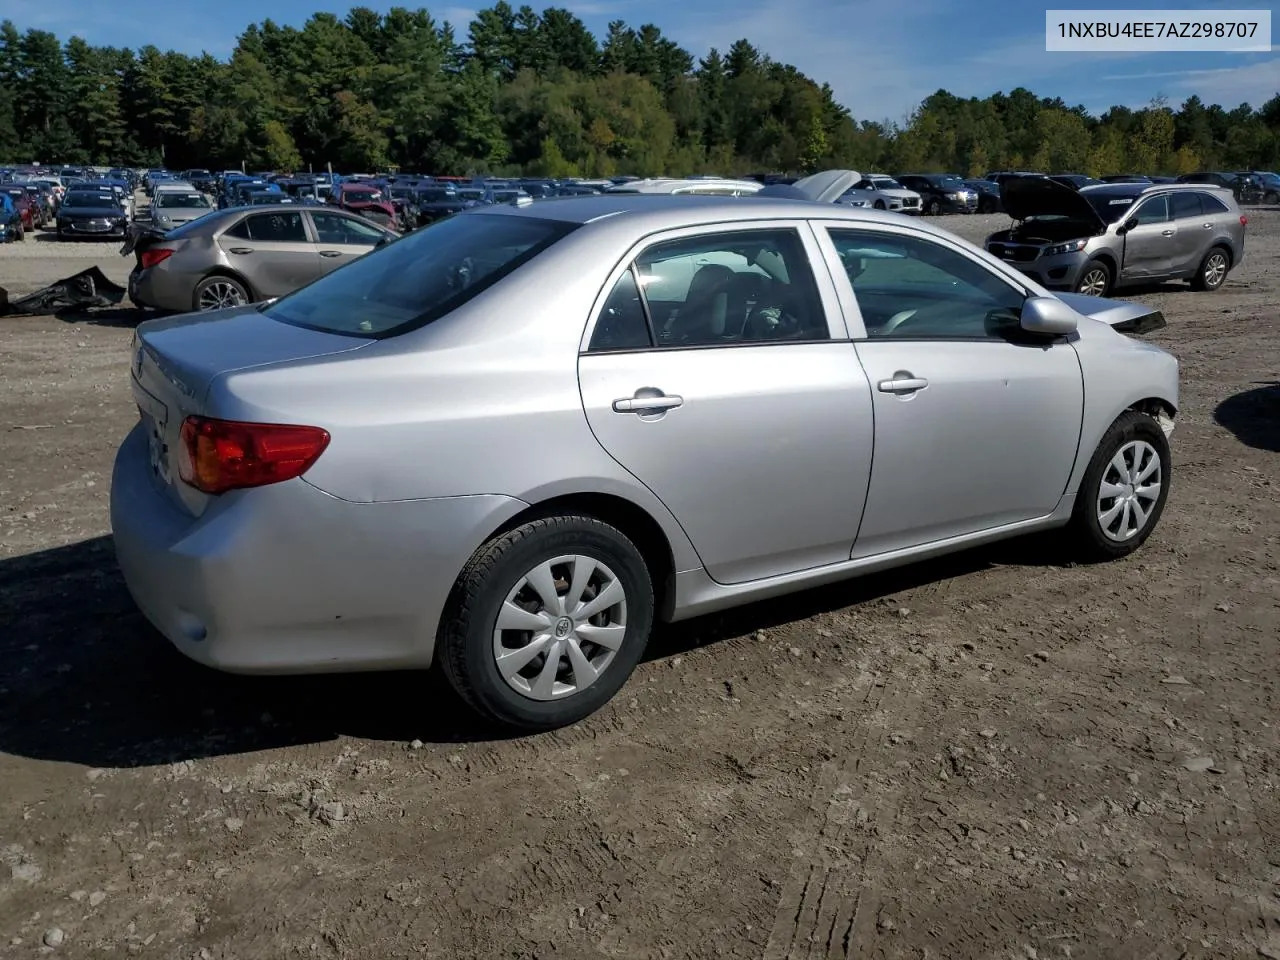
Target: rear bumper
287	579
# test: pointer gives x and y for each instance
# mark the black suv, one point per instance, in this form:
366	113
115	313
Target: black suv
941	192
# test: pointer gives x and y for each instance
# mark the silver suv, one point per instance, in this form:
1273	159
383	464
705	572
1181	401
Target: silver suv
1119	234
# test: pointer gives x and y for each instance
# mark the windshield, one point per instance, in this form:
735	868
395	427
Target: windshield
471	193
182	200
262	199
1110	206
419	278
437	195
362	196
81	198
950	183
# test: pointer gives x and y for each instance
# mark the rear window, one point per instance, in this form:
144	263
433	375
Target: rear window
171	199
419	278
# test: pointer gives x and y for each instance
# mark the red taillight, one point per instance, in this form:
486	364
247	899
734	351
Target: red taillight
221	455
1244	221
153	256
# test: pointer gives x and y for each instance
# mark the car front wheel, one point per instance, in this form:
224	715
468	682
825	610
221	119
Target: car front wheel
547	621
1095	279
1124	489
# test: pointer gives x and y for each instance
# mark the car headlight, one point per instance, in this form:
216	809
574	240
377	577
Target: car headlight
955	196
1071	246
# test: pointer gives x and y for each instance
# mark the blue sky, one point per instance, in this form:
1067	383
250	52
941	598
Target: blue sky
881	58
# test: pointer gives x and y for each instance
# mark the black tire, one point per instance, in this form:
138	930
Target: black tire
465	644
218	279
933	208
1213	270
1271	197
1088	540
1094	272
22	230
879	205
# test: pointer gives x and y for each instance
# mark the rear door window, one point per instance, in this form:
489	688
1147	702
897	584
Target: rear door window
271	228
1186	206
420	277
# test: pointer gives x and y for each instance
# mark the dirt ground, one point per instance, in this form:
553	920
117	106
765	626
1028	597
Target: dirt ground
987	757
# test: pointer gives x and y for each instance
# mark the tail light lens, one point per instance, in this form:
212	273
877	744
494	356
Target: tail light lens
222	455
149	258
1244	221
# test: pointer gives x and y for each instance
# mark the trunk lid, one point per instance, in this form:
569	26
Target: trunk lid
176	359
1026	197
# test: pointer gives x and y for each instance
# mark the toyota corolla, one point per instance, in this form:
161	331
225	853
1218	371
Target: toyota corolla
511	443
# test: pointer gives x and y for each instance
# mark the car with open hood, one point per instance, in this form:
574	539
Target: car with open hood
1100	238
511	443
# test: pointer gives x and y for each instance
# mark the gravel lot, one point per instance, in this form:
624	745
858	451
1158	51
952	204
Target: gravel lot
989	756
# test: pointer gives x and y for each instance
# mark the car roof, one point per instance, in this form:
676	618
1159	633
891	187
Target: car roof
649	213
666	185
1132	189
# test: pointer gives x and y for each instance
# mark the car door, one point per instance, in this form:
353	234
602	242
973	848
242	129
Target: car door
1149	246
737	400
1194	230
976	425
272	251
340	238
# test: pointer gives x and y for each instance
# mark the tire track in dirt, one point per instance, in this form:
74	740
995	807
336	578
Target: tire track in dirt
828	904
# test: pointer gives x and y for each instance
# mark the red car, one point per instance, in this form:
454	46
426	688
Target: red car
26	208
368	201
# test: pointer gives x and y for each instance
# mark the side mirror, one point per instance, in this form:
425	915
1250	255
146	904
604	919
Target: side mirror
1128	225
1047	316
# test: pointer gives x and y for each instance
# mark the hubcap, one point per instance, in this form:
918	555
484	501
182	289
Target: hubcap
560	627
1094	283
220	294
1215	270
1129	491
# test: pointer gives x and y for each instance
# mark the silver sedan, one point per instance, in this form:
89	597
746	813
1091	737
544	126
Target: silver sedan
512	442
241	254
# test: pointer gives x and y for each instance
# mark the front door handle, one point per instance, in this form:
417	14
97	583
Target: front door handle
1208	226
242	250
640	403
1167	233
902	385
330	253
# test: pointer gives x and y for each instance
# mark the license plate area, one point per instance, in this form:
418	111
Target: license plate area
155	422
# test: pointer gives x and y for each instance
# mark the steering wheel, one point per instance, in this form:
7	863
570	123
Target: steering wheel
897	320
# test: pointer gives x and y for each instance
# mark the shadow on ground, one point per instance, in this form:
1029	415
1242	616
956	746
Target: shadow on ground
1253	416
84	678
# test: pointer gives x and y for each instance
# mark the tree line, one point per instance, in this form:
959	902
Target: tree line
538	94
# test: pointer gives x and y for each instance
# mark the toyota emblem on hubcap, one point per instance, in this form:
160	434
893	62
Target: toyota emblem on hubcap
563	626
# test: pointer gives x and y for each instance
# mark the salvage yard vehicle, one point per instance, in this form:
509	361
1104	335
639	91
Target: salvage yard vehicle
512	442
879	192
93	214
25	207
243	254
689	186
174	206
367	201
1113	235
941	192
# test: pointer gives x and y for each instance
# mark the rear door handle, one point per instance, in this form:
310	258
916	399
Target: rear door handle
330	253
1167	233
640	404
902	385
242	249
1208	226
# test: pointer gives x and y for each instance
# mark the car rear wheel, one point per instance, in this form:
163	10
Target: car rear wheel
933	208
219	292
1213	270
1124	489
547	621
1095	279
